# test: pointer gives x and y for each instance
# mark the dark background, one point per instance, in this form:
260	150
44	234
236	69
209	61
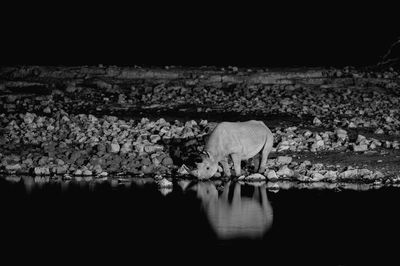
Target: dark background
241	34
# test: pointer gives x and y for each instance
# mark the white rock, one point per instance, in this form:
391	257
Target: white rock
341	134
361	147
42	171
87	172
155	138
255	176
283	146
317	177
352	125
307	134
330	174
378	174
13	167
317	145
360	138
284	160
126	147
184	170
285	171
47	110
317	122
272	175
78	172
115	148
352	173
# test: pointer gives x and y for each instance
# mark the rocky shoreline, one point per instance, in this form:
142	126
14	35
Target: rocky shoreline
54	123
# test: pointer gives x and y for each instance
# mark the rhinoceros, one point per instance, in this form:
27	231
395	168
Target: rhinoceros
241	141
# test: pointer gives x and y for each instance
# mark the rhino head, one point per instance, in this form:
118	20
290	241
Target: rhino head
206	168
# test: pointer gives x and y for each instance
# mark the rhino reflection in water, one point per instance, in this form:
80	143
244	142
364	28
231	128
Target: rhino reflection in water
242	217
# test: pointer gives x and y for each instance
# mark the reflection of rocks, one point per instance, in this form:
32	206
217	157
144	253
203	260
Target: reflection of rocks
243	217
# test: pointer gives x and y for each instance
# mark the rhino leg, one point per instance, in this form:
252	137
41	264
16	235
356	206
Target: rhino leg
225	166
236	164
264	154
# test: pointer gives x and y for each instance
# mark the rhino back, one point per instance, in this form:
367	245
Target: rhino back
246	138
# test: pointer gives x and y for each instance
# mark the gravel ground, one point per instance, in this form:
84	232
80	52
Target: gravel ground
329	125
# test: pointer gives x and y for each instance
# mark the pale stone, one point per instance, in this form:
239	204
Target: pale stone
284	160
272	175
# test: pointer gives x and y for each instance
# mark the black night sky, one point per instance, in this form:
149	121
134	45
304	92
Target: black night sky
286	35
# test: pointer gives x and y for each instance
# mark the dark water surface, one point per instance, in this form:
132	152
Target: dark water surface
199	219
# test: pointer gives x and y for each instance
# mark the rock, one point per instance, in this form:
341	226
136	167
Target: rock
71	88
155	138
378	175
272	174
283	146
146	161
379	131
317	166
283	160
284	171
317	177
317	145
78	172
114	147
365	173
87	172
47	110
307	134
13	167
42	171
60	162
317	122
167	161
372	146
28	118
341	134
97	169
360	148
396	145
255	176
147	169
183	170
28	162
331	175
348	174
389	119
352	125
388	144
153	148
101	148
126	148
361	139
60	170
